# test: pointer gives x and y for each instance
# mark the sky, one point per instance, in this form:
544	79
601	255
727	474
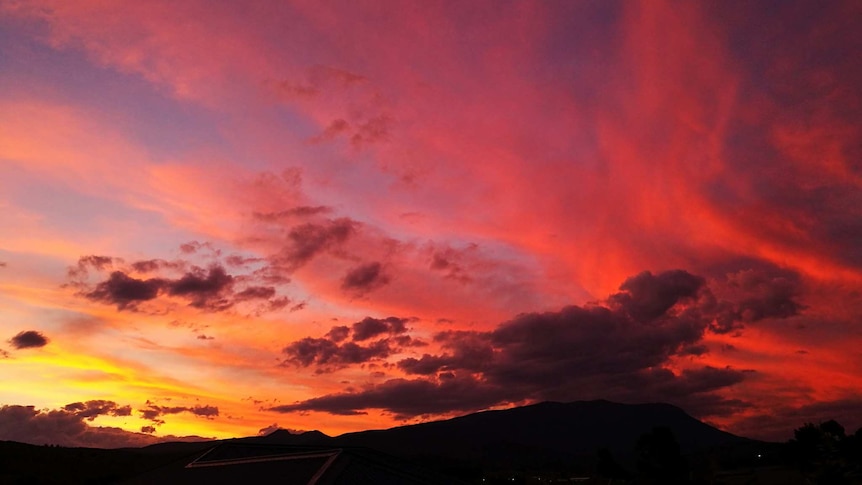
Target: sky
221	218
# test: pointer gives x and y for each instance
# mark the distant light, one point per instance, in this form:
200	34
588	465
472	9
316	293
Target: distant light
759	455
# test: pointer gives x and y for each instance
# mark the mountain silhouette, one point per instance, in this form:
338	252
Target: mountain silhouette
283	436
528	436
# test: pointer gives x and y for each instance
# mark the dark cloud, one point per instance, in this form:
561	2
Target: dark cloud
725	317
549	356
331	351
324	352
28	425
96	262
748	296
453	262
211	289
373	327
147	266
203	289
307	240
68	426
405	398
440	261
255	293
28	339
408	341
271	274
125	291
337	334
427	365
148	429
152	265
310	350
274	305
450	392
712	405
353	353
195	246
618	351
3	264
364	278
299	212
647	296
91	409
544	350
466	350
86	263
694	381
768	295
696	350
205	411
154	412
237	260
190	247
299	306
205	337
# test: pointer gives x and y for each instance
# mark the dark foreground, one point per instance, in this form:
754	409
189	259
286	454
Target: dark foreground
581	442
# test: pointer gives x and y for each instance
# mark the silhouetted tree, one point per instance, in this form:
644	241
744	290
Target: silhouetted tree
659	458
832	429
824	453
852	451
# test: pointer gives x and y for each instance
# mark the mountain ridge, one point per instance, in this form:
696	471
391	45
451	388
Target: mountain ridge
539	432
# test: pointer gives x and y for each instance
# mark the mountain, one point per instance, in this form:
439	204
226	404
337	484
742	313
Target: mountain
285	437
529	436
573	427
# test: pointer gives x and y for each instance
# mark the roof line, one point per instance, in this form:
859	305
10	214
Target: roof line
323	469
236	461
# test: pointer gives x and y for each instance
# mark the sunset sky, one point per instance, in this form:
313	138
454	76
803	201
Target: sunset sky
218	218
